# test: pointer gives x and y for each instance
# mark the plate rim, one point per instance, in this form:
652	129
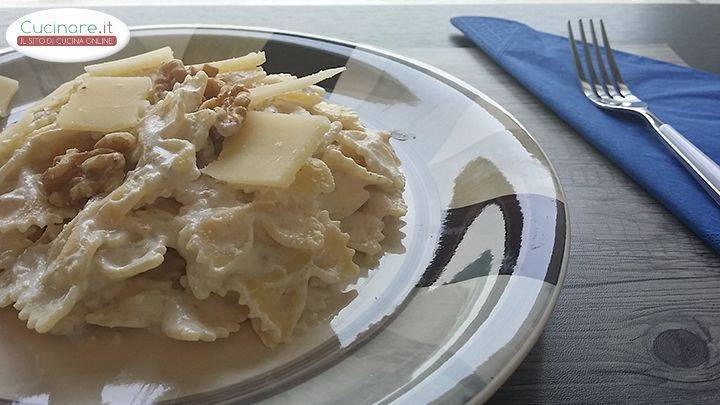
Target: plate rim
514	361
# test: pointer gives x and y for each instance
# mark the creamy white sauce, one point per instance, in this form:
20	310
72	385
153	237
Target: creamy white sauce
277	257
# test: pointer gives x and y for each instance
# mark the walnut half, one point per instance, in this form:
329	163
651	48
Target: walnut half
174	71
76	176
123	142
231	105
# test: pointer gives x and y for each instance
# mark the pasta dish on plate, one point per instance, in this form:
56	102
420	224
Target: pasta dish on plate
190	199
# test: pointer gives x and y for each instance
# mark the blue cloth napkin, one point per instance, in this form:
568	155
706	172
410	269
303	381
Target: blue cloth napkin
687	99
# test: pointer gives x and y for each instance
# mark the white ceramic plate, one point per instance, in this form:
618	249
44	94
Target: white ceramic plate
485	247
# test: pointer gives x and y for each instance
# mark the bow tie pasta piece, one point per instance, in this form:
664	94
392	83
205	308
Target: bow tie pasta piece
39	115
146	303
351	181
373	149
12	245
215	242
344	115
137	245
26	206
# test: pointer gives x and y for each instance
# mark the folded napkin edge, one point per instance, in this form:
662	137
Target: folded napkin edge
465	24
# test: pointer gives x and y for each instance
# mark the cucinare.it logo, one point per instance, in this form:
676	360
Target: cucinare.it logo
67	35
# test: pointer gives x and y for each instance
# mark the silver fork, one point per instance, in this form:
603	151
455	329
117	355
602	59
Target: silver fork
613	94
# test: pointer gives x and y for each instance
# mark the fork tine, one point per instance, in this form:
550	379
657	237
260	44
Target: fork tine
622	87
599	89
587	89
609	85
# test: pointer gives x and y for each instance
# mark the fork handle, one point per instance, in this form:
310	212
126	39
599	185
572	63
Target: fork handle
705	170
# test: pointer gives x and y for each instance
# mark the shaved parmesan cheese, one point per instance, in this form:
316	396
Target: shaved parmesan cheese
8	88
262	93
132	66
105	104
59	95
249	61
269	150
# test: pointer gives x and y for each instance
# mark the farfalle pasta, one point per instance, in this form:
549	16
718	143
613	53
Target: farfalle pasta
215	195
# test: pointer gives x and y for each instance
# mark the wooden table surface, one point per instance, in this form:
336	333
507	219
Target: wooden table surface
638	319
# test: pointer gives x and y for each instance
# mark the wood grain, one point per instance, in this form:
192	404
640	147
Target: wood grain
635	273
638	320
